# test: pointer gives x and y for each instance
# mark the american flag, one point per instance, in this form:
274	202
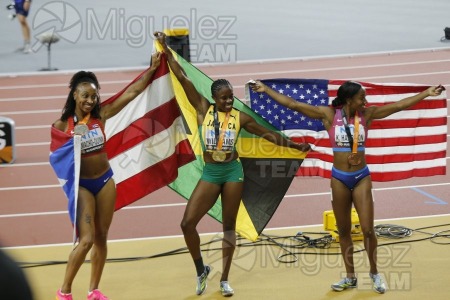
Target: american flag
411	143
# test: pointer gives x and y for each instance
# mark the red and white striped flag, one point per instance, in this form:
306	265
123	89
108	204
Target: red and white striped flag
146	141
410	143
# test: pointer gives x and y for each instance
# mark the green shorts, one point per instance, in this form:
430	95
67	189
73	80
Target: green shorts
224	172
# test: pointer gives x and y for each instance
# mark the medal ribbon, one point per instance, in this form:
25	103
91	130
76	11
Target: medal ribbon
356	134
85	119
353	141
222	130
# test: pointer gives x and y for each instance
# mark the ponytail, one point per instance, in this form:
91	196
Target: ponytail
347	90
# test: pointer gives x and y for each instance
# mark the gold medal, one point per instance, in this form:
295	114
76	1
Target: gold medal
219	156
354	159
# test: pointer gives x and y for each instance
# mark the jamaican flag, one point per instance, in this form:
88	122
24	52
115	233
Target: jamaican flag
268	168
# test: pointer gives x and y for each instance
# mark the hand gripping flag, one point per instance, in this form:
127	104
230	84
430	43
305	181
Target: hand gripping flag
410	143
146	144
268	169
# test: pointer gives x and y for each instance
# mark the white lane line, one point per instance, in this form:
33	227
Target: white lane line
52	85
248	74
43	97
44	163
290	71
220	233
47	126
31	187
26	112
63	212
47	163
33	144
184	203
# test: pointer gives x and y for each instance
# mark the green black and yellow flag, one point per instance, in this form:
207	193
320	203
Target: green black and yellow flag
268	169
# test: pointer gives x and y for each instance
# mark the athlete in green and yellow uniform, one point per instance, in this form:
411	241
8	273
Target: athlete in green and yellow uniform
219	126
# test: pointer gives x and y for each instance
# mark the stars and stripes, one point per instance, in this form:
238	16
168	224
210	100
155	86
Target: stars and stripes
313	92
406	144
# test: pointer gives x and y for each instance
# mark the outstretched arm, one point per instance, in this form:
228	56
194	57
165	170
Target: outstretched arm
249	124
380	112
133	90
194	97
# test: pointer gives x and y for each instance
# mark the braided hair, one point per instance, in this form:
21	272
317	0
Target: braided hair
347	90
77	79
218	84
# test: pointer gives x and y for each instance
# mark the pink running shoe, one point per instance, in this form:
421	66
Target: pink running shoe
61	296
96	295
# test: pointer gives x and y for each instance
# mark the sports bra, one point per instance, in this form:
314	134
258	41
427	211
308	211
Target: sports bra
338	135
207	133
93	141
